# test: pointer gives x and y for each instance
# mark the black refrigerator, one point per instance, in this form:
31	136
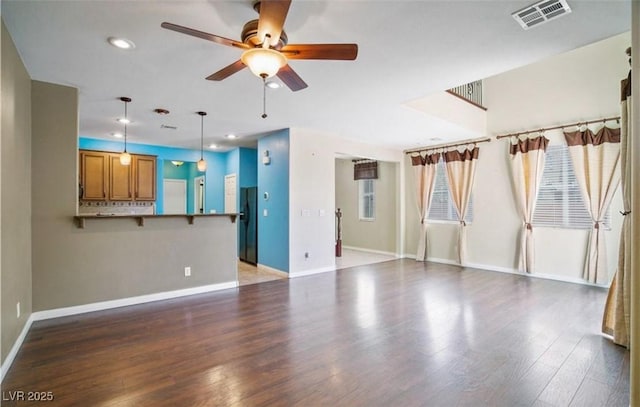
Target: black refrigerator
248	235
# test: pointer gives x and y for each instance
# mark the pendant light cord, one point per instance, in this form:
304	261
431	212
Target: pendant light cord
125	125
264	97
201	137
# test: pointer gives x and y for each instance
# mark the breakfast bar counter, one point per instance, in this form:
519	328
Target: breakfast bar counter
190	218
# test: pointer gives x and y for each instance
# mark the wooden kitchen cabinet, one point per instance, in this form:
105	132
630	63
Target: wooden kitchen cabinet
144	177
103	178
94	171
119	179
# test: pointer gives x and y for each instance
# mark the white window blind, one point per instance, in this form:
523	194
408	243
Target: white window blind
560	203
442	207
366	198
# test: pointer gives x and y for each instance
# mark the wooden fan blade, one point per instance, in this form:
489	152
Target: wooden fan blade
291	78
227	71
271	20
205	36
321	51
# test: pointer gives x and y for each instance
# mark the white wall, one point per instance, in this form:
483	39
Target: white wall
579	85
312	189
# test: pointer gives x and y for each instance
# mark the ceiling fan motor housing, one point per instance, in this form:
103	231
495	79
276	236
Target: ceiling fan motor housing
250	35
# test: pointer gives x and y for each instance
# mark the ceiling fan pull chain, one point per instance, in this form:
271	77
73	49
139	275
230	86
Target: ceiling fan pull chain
264	98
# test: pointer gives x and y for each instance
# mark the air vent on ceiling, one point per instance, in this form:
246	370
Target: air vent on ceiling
166	126
541	12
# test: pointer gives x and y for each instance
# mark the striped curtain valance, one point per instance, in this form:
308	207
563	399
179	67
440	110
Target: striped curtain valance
466	155
583	138
625	88
428	159
529	144
365	170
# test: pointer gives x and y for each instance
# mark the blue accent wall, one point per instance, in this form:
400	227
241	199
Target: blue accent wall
248	167
273	230
214	175
188	172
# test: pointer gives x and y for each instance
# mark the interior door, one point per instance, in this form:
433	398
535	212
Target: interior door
230	198
175	196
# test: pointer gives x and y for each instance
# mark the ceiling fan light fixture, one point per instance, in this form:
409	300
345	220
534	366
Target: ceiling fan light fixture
263	62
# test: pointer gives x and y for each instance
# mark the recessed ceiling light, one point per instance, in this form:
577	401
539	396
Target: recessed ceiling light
231	136
272	85
117	135
121	43
213	146
124	121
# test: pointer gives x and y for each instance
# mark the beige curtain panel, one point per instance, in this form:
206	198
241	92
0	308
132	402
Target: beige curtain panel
527	164
596	161
460	168
617	313
424	170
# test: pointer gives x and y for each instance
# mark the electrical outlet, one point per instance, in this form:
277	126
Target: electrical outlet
18	309
187	271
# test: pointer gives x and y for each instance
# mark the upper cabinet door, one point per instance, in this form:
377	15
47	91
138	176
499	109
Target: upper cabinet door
144	177
93	177
119	180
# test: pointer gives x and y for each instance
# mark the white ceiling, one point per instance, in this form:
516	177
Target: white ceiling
407	50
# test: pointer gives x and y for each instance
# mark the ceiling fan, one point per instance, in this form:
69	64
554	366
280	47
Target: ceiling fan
266	48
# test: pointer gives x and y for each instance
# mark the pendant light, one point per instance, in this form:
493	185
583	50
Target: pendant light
125	158
202	164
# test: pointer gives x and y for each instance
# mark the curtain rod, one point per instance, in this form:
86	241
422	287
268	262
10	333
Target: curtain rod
476	141
617	118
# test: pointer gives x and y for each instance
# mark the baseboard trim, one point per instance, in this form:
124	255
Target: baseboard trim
508	270
362	249
443	261
123	302
271	270
4	367
312	271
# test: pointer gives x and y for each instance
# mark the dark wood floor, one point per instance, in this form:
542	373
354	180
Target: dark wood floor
399	333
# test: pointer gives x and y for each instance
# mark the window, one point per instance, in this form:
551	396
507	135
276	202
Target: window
367	199
442	207
560	203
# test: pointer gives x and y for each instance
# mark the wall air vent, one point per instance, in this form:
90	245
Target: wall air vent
541	12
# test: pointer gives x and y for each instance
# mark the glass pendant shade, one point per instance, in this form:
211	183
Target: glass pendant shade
263	62
125	158
202	165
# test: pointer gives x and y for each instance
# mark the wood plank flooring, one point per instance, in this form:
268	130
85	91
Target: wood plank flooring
399	333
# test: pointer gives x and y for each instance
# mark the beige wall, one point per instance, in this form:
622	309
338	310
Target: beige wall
579	85
15	174
114	258
379	234
635	219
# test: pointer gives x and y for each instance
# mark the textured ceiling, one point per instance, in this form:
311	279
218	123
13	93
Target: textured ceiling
407	50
